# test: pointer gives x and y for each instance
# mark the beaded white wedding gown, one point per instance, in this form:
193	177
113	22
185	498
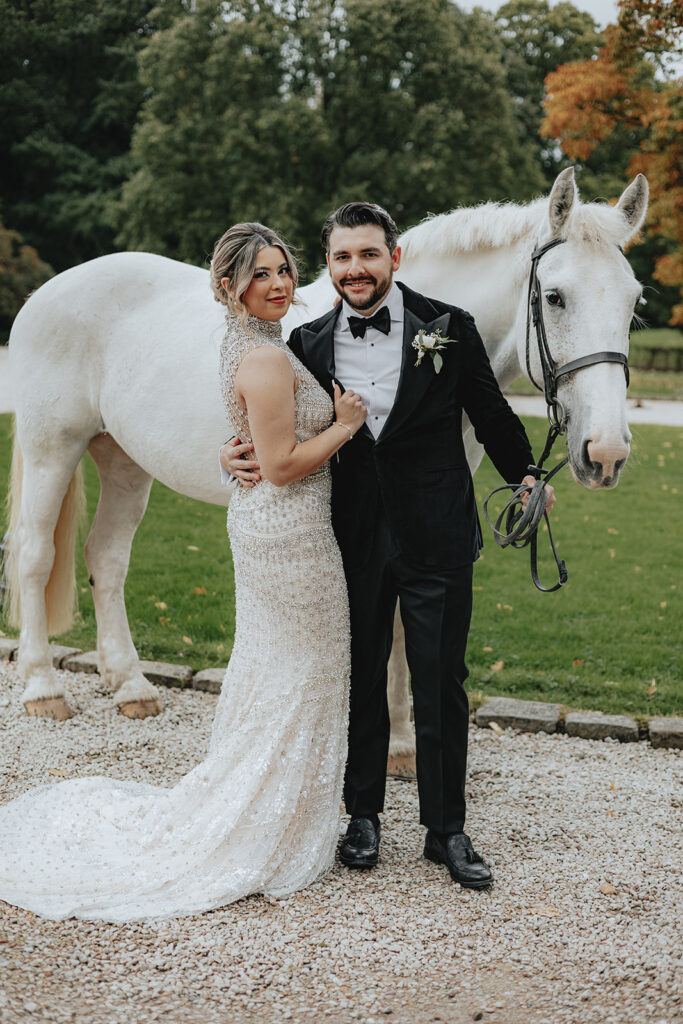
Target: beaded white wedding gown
261	813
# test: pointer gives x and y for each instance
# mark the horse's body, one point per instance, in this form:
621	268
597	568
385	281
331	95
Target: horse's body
120	355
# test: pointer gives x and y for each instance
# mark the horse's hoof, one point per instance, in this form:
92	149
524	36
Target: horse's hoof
402	766
50	707
141	708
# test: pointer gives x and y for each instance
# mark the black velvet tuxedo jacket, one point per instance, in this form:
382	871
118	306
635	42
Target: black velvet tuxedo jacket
416	470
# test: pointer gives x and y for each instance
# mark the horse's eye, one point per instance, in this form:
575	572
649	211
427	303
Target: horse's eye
554	299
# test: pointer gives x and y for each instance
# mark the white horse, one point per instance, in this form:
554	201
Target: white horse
120	356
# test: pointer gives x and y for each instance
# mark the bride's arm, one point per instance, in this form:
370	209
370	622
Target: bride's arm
266	383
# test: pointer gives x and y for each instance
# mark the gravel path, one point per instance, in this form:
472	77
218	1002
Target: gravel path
581	927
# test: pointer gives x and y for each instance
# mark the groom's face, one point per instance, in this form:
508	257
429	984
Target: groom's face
361	266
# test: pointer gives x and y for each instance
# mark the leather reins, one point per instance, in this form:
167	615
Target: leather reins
521	525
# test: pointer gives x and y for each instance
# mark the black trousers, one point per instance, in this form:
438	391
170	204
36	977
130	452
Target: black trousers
436	609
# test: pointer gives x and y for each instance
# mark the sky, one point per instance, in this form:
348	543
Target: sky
604	11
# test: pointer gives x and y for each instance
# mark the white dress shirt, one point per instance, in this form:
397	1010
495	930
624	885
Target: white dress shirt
371	366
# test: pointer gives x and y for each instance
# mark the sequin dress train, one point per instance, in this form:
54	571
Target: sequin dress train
261	813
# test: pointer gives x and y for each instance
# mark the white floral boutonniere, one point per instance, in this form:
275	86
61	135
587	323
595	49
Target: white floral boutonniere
431	344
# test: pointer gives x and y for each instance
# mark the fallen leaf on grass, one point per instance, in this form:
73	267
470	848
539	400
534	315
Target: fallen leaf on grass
161	605
610	529
662	604
192	547
186	640
496	728
497	666
488	649
577	661
164	620
612	553
652	688
200	590
608	889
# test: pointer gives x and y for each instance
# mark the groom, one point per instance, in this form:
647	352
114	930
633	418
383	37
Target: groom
404	515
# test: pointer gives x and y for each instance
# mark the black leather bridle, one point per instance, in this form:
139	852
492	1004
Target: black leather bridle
521	525
552	373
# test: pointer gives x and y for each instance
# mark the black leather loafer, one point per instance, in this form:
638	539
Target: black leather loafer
456	852
360	846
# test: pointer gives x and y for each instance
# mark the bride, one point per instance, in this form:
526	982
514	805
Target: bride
261	813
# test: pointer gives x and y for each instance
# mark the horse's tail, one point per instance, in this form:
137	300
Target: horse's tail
61	593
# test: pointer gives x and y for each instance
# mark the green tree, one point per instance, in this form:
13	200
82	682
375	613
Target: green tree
21	272
278	111
538	38
69	92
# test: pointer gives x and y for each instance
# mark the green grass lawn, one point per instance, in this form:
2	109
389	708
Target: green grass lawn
599	643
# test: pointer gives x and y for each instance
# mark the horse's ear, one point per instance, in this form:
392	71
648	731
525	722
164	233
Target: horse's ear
561	201
633	203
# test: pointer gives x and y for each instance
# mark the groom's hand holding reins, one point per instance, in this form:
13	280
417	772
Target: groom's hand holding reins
529	481
234	458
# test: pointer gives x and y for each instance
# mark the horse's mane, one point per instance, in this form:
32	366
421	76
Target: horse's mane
493	225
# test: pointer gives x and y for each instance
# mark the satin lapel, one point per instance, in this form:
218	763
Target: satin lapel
318	351
414	380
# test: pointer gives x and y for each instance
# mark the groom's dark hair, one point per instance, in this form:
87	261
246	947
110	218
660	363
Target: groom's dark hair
353	215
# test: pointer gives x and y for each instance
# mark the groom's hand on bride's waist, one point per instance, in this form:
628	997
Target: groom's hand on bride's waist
235	459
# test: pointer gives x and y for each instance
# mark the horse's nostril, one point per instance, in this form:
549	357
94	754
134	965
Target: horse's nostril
587	461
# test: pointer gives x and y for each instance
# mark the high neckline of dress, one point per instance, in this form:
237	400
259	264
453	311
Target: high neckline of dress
255	325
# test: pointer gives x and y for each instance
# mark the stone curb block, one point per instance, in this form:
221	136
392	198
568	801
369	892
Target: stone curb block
209	680
84	662
8	648
60	654
527	715
509	713
593	725
179	676
666	732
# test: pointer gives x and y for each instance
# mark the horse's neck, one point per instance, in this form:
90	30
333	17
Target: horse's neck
488	283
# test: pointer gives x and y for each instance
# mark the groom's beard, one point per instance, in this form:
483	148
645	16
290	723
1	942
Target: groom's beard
380	288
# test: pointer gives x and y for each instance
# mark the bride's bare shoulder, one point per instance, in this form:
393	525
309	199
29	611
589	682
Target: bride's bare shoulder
264	361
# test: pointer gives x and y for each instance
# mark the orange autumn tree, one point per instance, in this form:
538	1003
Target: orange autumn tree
632	87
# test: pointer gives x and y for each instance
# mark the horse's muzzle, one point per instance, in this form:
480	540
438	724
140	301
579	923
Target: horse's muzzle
601	463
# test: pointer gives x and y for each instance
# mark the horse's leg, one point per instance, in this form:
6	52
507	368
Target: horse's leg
45	479
124	494
401	761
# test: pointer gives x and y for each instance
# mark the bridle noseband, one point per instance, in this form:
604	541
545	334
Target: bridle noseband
521	525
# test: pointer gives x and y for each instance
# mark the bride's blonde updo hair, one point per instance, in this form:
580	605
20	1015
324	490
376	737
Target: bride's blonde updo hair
234	257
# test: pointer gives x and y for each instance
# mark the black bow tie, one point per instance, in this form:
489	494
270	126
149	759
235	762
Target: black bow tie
381	320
